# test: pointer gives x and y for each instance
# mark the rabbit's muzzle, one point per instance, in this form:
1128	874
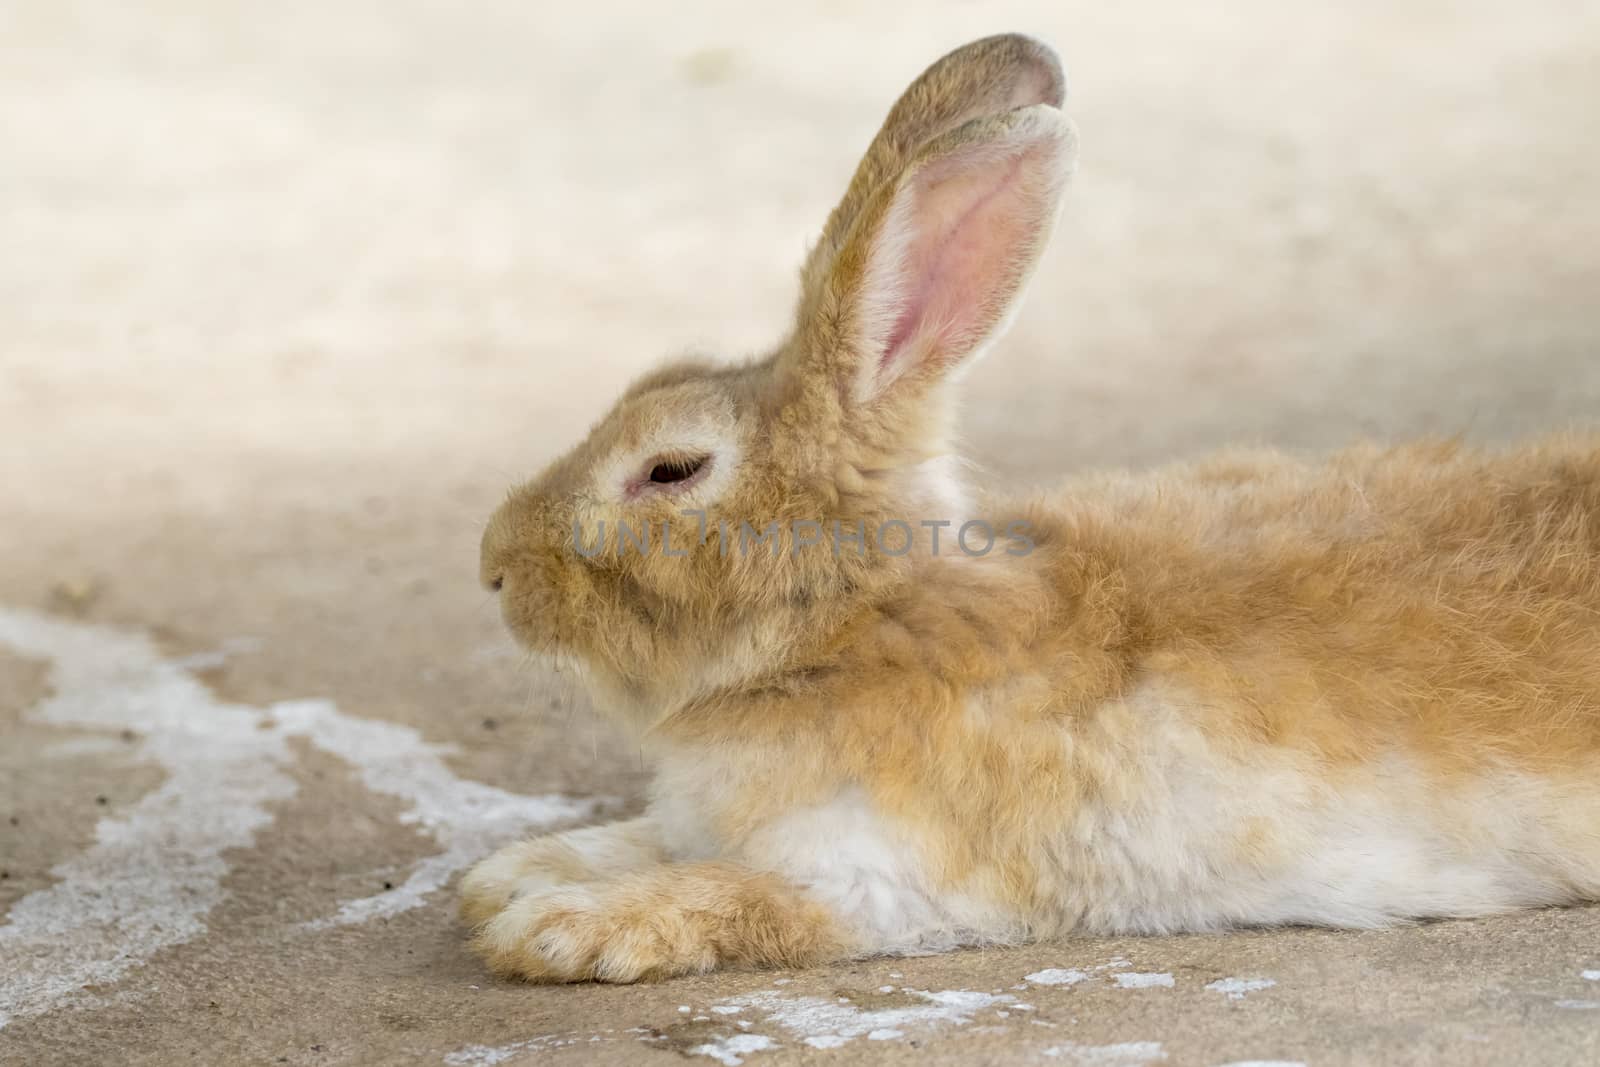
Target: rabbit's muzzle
524	564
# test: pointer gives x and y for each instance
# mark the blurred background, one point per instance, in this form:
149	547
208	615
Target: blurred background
291	293
259	253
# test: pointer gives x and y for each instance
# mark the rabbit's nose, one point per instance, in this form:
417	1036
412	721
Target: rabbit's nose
492	555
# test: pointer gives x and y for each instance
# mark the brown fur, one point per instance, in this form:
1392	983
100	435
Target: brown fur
1433	602
1432	599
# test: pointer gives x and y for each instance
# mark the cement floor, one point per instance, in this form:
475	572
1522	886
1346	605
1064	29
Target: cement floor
290	293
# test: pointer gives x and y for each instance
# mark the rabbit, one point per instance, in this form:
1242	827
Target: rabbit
1247	691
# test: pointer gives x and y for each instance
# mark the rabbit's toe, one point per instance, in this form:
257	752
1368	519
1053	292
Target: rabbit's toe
573	935
492	884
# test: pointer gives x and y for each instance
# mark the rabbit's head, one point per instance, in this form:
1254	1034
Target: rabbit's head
722	519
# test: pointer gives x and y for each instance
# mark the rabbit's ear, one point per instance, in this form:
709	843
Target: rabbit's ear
987	77
937	260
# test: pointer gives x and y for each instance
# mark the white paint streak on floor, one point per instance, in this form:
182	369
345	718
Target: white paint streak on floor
156	869
823	1023
1058	976
1236	988
1127	1054
816	1022
490	1055
1133	980
1072	975
1593	976
731	1051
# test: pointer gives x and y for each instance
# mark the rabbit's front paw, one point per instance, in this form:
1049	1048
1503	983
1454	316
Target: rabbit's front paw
575	934
545	863
662	921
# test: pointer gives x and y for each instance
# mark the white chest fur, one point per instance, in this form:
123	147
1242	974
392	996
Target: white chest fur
843	853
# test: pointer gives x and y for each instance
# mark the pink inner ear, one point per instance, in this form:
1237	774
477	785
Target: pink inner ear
972	222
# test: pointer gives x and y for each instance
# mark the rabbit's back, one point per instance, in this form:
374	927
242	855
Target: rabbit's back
1438	598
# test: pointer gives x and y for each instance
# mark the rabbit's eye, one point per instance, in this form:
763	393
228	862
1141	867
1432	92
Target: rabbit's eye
668	471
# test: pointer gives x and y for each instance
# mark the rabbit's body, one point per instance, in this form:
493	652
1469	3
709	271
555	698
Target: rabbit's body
1249	691
1343	693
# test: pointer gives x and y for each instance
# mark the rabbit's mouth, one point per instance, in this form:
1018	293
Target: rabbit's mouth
534	619
525	587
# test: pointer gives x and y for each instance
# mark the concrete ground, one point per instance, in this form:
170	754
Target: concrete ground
290	293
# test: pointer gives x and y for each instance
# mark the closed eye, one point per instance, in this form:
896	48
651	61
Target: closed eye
672	470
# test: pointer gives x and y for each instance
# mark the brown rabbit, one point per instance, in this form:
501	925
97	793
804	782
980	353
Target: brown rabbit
886	718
